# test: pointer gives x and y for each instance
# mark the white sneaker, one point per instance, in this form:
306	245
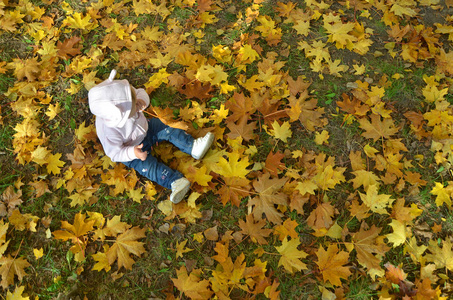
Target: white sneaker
202	145
179	189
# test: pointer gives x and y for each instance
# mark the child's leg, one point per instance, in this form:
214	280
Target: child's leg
155	171
158	131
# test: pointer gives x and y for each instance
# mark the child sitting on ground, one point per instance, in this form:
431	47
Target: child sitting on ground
127	136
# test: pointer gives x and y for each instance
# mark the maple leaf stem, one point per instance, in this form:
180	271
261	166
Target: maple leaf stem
245	191
152	115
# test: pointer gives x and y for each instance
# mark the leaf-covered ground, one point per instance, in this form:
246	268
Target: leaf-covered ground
330	175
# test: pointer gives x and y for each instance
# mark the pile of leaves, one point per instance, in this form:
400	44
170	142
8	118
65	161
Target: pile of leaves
325	188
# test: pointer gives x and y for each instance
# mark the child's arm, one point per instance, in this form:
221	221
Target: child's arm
114	147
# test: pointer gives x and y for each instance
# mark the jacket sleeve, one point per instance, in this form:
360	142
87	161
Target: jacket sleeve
114	147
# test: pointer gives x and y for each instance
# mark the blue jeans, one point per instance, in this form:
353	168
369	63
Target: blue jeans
153	169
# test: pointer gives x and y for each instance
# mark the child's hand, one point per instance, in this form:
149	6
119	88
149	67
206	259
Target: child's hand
140	105
139	153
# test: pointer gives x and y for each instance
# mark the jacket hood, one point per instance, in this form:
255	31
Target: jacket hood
111	100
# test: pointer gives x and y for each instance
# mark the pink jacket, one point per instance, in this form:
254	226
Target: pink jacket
111	102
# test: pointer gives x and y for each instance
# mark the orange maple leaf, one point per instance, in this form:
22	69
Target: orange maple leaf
191	284
274	164
331	264
234	190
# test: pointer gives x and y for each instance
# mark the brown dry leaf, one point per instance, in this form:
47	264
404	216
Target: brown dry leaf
321	217
307	112
370	247
240	106
10	267
196	89
267	198
241	129
377	129
211	234
11	199
255	230
69	47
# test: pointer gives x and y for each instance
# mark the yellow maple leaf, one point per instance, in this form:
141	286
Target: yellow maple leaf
181	248
339	33
322	138
359	70
443	194
53	110
102	262
335	67
442	257
74	88
207	18
78	21
54	164
235	166
291	256
29	68
219	114
377	203
302	27
225	88
398	237
401	10
126	244
212	74
370	151
191	284
222	53
39	155
136	195
247	54
17	294
81	197
364	178
157	79
307	186
328	177
281	132
267	25
199	175
153	34
38	253
432	93
166	207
